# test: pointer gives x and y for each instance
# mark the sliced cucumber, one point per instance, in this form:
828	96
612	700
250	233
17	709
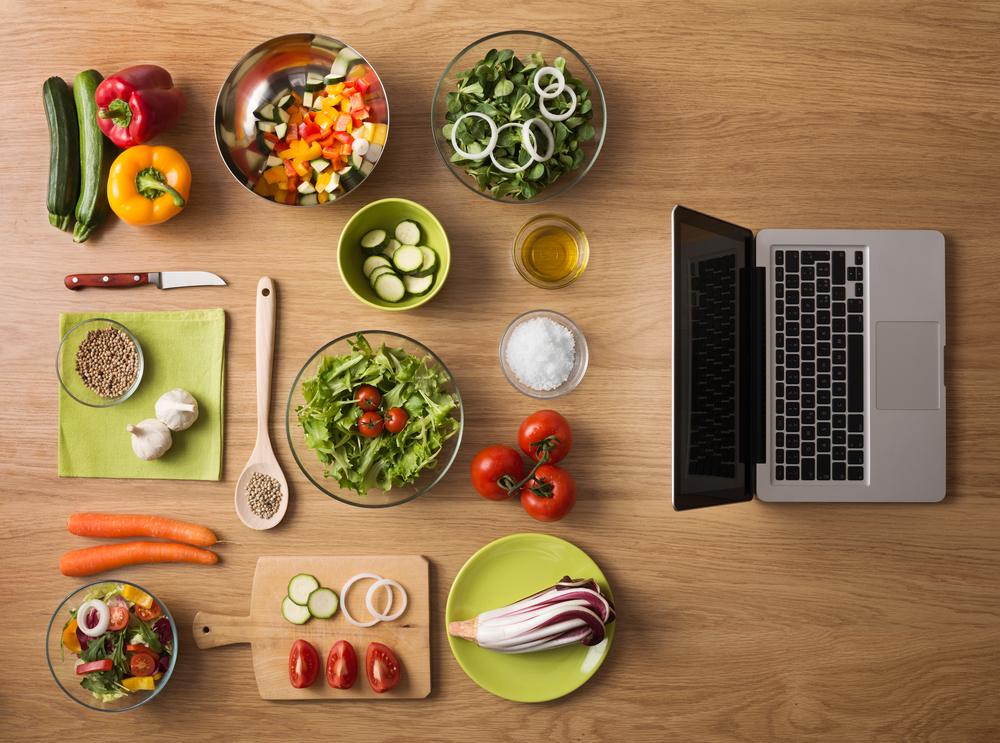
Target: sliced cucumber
266	126
345	171
273	161
307	99
418	284
334	182
391	248
323	603
374	242
357	160
293	612
300	587
408	259
342	63
319	164
284	100
430	263
265	112
306	187
378	272
262	144
389	287
366	167
280	130
372	262
408	232
309	199
314	82
317	103
283	117
333	79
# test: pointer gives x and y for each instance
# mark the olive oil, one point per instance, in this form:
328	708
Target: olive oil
550	253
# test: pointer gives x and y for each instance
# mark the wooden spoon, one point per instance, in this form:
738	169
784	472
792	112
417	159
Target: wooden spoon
262	460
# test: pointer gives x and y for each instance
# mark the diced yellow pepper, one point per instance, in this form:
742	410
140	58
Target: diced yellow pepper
322	180
367	131
261	187
335	89
323	121
345	106
331	102
275	174
139	683
322	197
309	151
136	596
378	133
356	71
283	185
301	167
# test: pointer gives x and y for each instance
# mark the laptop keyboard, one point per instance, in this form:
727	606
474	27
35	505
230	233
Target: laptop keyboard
712	448
819	346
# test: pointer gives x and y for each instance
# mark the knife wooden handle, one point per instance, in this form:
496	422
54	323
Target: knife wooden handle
213	630
111	280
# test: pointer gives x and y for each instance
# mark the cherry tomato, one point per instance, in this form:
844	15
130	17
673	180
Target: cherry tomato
490	465
341	665
119	617
97	665
395	419
143	649
303	664
383	668
370	424
147	615
368	397
541	425
142	664
562	494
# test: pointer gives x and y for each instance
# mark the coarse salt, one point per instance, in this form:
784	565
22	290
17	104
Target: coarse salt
541	353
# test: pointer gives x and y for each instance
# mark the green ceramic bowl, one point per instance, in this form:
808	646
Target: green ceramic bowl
386	214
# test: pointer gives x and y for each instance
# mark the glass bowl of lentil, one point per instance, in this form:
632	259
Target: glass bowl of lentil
535	358
99	363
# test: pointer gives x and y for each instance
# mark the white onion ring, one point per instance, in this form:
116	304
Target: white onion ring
489	148
559	117
501	167
343	599
531	148
103	617
557	75
368	600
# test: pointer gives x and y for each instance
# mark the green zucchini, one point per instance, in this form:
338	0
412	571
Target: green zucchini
97	153
64	152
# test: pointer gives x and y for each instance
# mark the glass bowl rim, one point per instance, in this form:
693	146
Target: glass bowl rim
519	242
173	655
138	377
308	365
522	388
254	50
586	168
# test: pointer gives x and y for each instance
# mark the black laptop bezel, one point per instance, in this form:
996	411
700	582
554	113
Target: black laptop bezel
751	360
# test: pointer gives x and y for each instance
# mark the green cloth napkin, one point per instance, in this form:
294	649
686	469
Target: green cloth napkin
180	349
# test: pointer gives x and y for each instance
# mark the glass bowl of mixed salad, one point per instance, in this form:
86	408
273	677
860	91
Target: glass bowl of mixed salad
518	117
111	646
374	419
301	120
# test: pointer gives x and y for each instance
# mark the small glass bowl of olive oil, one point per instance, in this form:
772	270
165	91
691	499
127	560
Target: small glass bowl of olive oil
550	251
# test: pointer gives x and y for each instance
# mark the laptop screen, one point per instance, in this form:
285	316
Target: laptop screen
712	263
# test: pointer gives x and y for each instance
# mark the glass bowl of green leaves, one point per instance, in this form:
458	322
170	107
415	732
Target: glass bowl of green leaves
518	117
374	448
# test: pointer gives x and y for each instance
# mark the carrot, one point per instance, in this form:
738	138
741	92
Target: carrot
109	556
108	525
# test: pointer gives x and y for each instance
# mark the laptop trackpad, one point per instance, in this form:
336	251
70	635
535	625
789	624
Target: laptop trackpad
907	365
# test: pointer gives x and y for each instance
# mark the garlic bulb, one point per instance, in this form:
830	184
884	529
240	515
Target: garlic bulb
177	409
150	439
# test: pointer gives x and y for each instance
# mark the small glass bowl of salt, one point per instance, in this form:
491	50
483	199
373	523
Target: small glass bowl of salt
543	354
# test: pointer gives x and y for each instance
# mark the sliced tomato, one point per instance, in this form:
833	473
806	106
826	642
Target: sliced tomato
303	664
148	615
342	665
382	667
142	664
119	617
97	665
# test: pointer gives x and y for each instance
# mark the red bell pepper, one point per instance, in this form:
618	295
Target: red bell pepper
138	104
361	85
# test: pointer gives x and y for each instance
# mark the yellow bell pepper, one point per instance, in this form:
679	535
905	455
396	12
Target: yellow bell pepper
139	683
148	185
136	596
69	638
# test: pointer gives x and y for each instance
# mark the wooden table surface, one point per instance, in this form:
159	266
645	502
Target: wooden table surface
756	622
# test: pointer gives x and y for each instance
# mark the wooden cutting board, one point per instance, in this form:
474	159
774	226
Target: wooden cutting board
271	636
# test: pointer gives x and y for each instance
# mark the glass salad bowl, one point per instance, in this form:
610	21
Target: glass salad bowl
66	360
317	415
483	176
271	90
63	663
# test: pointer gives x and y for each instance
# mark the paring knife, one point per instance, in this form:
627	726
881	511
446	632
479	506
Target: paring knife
161	280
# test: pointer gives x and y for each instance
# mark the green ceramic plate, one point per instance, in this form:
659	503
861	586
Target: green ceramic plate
506	571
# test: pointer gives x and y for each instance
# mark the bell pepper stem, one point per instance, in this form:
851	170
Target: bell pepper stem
119	111
151	184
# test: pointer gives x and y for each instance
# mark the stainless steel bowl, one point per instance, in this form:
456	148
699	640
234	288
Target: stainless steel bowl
268	69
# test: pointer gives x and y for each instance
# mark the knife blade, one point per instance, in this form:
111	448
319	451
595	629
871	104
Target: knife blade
159	279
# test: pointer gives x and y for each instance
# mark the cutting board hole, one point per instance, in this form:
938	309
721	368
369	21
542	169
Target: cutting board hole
205	630
265	291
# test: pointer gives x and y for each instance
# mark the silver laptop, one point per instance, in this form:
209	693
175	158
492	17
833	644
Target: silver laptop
808	365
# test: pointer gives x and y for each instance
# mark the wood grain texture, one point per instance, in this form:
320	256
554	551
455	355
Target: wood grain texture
758	622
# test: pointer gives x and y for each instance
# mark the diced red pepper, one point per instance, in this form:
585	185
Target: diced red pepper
292	195
289	168
361	85
309	129
272	138
342	121
331	152
348	91
344	137
281	146
293	134
345	150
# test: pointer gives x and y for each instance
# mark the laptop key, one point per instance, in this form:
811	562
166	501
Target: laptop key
822	269
855	323
855	473
859	289
855	374
779	257
838	266
808	469
823	467
823	446
855	441
856	423
779	456
792	261
792	457
856	456
779	473
859	257
839	453
839	471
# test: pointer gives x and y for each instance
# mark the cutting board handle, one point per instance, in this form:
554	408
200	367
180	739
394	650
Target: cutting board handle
213	630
